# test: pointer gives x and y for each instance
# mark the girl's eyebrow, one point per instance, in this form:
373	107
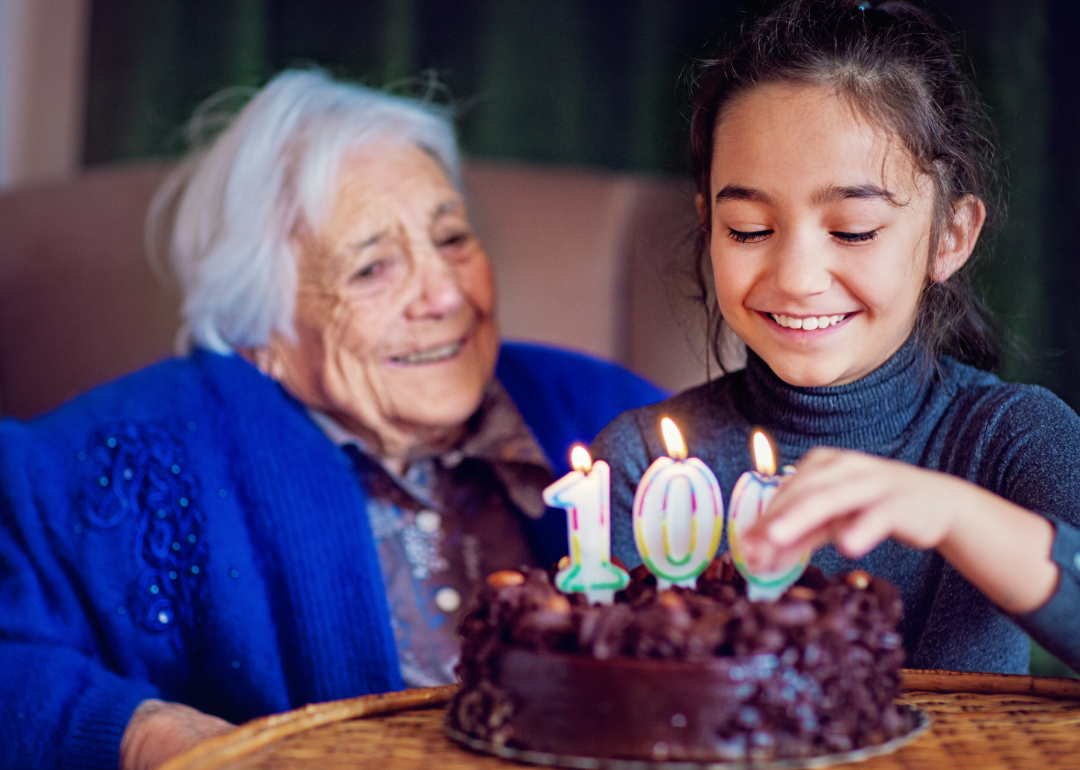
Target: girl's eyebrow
734	192
831	194
834	194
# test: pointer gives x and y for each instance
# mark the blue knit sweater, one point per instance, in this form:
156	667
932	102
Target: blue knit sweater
188	533
1018	441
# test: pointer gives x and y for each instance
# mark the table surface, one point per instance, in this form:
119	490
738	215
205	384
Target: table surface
984	721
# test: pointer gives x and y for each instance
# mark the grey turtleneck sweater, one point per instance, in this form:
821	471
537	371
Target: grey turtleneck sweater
1018	441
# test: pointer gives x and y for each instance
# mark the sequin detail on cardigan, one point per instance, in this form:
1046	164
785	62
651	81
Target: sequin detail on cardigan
142	471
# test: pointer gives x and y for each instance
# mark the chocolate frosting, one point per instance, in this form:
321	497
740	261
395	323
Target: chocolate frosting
684	675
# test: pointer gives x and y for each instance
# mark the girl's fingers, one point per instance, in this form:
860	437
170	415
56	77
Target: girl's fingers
805	512
865	531
840	469
853	499
788	556
763	555
757	552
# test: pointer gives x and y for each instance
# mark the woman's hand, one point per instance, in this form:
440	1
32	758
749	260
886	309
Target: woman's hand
856	501
159	731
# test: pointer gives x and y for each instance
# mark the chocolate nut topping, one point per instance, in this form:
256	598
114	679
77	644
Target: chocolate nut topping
505	577
815	671
859	579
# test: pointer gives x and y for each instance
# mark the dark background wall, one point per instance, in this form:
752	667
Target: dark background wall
600	84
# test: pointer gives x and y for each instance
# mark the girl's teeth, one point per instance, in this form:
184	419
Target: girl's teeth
809	324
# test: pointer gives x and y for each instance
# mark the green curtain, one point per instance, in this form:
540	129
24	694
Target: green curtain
600	84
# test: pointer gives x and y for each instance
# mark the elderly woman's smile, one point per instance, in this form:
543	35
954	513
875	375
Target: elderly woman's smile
431	355
394	329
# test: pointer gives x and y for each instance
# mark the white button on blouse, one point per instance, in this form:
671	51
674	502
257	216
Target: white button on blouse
428	521
447	599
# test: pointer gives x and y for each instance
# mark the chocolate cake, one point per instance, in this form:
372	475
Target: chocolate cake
701	675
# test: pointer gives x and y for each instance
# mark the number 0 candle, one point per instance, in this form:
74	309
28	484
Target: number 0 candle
678	514
584	493
749	499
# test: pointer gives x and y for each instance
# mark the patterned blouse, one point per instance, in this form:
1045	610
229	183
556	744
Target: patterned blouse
447	522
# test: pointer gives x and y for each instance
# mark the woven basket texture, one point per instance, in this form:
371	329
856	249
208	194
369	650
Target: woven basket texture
982	721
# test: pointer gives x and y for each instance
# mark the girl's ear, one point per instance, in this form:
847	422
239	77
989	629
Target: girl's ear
958	239
702	211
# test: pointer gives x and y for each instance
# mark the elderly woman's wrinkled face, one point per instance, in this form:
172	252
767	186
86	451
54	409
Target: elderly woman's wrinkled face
396	337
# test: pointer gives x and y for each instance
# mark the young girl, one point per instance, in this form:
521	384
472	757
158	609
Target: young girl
841	189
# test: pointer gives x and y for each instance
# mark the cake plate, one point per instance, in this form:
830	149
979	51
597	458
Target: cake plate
920	719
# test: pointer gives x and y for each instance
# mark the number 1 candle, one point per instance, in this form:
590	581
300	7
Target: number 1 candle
749	499
585	494
678	514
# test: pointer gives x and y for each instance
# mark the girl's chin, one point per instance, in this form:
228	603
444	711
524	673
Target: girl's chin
809	374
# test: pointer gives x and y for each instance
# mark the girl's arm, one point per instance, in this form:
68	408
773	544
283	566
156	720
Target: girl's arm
857	501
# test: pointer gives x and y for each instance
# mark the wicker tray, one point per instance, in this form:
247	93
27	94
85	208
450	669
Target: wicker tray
983	721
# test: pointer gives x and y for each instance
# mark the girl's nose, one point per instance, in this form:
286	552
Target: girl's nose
439	293
801	268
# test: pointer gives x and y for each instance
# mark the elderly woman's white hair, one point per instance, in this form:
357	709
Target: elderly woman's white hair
225	216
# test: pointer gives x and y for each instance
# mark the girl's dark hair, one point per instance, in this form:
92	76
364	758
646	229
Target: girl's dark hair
897	67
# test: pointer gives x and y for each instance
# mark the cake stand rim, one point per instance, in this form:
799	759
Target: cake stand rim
553	759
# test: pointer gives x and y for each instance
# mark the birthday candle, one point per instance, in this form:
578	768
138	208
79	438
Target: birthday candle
678	514
585	493
749	499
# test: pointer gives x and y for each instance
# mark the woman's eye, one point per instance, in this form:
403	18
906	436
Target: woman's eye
855	237
748	237
454	240
370	270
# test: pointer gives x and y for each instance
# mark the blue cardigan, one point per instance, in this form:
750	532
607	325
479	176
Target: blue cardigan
188	533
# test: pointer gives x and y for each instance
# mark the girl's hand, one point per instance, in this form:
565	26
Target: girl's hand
856	501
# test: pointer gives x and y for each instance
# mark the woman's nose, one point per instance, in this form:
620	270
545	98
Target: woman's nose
439	293
801	267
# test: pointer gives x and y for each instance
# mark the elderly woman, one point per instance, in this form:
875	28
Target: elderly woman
294	511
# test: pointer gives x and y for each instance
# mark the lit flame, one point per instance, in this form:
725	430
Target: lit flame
676	447
580	458
764	456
